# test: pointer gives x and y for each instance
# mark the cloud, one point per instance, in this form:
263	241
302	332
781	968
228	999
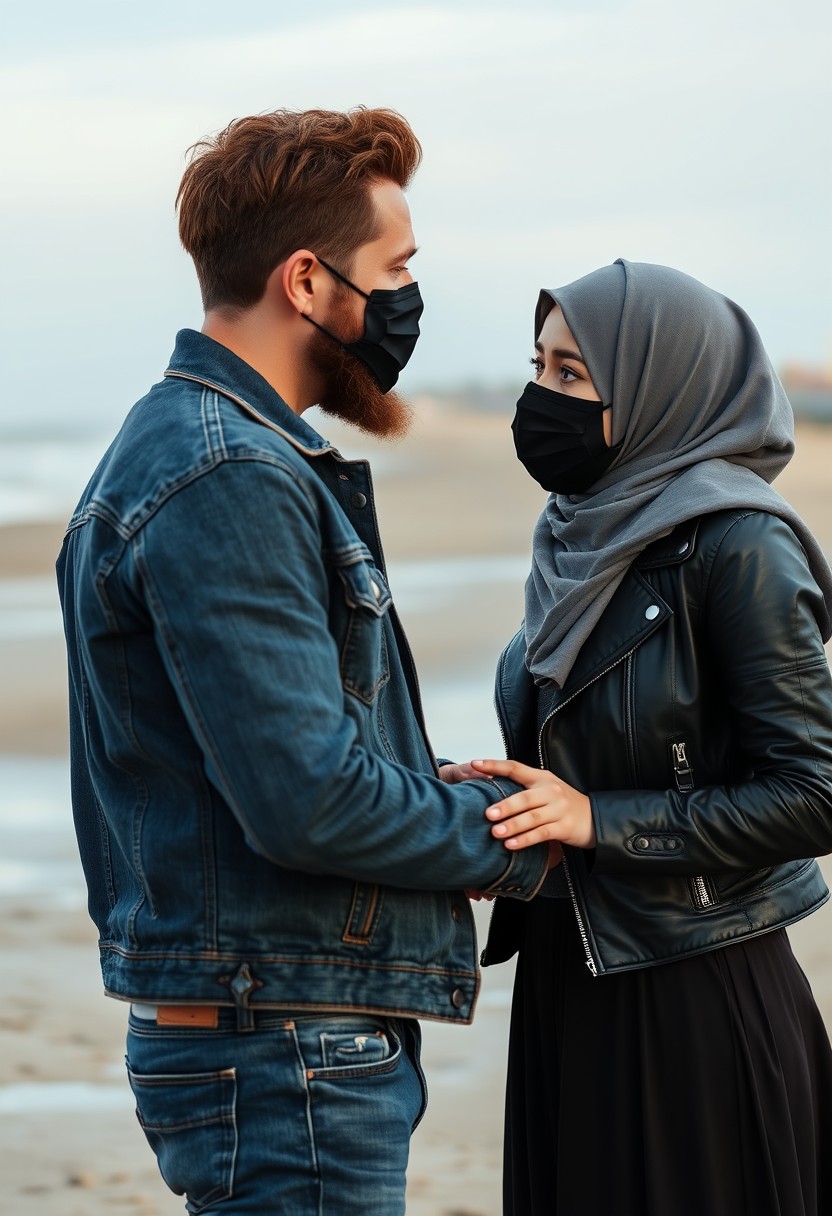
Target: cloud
557	136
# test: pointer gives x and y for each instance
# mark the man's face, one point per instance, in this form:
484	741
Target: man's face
351	392
383	263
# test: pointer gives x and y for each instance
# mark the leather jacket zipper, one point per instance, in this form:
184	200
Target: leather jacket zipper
589	961
629	722
702	891
583	927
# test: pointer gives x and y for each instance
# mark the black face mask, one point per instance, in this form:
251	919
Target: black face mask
391	329
560	439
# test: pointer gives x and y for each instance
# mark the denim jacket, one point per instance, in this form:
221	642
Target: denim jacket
257	806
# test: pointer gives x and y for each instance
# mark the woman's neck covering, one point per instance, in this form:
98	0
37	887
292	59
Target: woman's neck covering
704	426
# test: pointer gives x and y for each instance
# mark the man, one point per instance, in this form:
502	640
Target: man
274	865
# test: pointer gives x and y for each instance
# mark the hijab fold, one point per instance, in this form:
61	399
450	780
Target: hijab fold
704	426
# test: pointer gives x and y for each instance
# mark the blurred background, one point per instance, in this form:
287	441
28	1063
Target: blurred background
558	135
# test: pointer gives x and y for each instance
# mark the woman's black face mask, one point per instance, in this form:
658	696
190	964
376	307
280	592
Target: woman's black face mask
560	439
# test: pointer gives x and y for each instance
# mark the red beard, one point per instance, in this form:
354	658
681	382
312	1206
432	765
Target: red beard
350	391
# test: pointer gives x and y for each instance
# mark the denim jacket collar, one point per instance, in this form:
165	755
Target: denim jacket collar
199	358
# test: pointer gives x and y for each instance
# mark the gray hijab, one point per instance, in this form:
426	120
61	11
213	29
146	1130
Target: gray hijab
704	425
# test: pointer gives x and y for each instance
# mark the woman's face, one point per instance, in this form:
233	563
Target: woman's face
558	365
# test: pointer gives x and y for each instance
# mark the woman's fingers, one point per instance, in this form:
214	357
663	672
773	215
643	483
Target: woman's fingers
515	804
546	810
523	774
541	835
530	821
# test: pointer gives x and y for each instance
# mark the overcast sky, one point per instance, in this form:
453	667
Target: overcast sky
557	137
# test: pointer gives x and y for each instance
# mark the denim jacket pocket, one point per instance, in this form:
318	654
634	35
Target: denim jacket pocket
189	1120
364	660
365	910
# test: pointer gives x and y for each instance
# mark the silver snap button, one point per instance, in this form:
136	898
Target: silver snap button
683	548
652	612
376	588
642	843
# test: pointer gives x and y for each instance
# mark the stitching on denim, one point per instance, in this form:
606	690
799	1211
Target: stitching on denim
374	898
223	1120
253	412
313	1148
259	960
142	794
368	697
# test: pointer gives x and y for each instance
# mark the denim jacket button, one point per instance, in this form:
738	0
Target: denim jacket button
359	499
457	998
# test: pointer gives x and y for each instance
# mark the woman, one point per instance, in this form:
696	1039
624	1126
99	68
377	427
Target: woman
669	703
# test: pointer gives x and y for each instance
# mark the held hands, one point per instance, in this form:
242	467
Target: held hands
548	810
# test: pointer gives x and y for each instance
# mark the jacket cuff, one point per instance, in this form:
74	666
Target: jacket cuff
527	868
523	876
633	835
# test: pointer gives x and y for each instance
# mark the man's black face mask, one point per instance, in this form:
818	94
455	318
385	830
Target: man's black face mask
391	329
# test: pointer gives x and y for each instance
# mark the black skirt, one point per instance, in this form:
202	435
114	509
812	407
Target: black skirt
696	1088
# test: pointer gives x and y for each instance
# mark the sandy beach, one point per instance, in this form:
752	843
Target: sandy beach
456	514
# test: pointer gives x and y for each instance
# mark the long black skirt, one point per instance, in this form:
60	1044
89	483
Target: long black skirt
697	1088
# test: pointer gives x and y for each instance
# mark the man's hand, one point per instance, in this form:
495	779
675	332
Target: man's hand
547	810
453	774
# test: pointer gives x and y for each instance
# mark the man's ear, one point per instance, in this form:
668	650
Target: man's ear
302	281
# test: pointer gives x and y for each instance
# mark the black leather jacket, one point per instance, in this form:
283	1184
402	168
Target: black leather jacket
698	717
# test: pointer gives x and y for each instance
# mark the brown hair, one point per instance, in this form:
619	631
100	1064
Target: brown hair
273	183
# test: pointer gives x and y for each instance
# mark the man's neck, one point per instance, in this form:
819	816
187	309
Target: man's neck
253	341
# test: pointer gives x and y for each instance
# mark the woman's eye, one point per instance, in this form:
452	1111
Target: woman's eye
537	364
568	376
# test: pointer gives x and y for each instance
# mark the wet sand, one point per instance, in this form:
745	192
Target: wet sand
69	1143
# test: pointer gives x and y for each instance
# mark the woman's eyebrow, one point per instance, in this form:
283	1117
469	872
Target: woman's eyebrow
561	352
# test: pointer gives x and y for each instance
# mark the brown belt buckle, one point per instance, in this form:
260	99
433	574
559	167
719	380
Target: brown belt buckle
188	1015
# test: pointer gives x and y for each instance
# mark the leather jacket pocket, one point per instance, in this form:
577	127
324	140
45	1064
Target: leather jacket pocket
364	660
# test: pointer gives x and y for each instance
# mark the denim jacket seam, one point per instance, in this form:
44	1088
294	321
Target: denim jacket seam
212	426
261	418
130	527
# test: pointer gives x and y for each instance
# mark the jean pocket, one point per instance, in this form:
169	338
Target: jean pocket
347	1047
190	1122
365	665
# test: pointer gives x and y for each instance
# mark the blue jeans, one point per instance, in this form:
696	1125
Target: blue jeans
305	1115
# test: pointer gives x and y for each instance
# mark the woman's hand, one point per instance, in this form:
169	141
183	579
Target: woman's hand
547	810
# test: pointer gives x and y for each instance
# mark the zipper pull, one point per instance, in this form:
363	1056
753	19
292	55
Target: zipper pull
682	771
